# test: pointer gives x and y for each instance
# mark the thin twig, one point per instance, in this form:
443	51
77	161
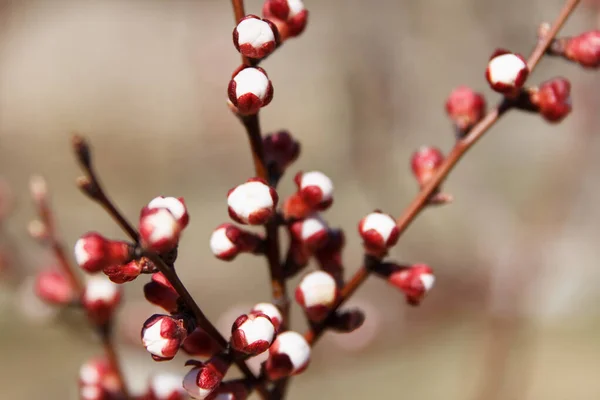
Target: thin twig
104	331
421	200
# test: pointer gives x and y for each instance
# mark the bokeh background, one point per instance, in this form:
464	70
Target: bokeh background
515	311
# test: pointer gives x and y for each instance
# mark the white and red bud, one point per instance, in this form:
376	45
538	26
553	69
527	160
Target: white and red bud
249	90
252	203
123	273
203	380
553	99
98	372
584	49
200	344
311	231
271	311
227	241
100	299
425	163
379	232
254	37
506	72
252	333
175	205
165	386
315	188
465	108
160	292
231	390
288	355
347	321
54	287
415	282
93	252
162	336
281	150
317	293
290	16
159	230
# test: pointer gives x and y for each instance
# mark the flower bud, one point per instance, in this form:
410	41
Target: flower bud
288	355
379	232
465	108
249	90
347	321
290	16
315	188
254	37
162	336
159	230
160	292
100	299
253	202
317	293
165	386
123	273
270	311
227	241
176	207
252	333
311	231
584	49
281	150
506	72
93	252
553	99
330	256
232	390
425	162
201	381
99	373
294	207
415	282
54	287
200	344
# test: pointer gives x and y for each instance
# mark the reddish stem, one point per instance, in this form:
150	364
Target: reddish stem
421	201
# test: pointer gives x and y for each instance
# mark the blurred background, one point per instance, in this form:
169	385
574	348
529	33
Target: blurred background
515	311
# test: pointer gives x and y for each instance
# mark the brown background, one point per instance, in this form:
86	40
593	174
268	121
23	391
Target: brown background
515	311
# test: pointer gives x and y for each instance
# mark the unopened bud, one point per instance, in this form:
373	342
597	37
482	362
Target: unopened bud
227	241
100	299
54	287
271	311
162	336
465	108
506	72
93	252
317	293
252	333
254	37
160	292
159	230
415	282
315	188
288	355
249	90
253	202
379	232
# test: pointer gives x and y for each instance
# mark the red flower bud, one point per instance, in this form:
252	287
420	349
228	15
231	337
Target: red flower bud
311	231
465	108
415	282
160	292
584	49
123	273
425	162
271	311
227	241
281	150
315	188
159	230
175	205
379	232
347	321
200	344
290	16
93	252
54	287
254	37
203	380
553	99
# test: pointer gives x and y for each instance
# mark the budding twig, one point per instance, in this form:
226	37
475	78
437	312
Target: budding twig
421	200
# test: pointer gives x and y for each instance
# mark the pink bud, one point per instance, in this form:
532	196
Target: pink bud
465	108
200	344
554	99
415	282
161	293
379	232
271	311
288	355
253	202
281	150
176	205
93	252
425	163
254	37
54	287
252	333
203	380
290	16
162	336
159	230
506	72
100	299
123	273
311	231
317	293
250	89
165	386
227	241
584	49
294	207
315	188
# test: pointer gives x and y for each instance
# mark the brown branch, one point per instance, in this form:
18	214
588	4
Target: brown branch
421	201
90	185
41	198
